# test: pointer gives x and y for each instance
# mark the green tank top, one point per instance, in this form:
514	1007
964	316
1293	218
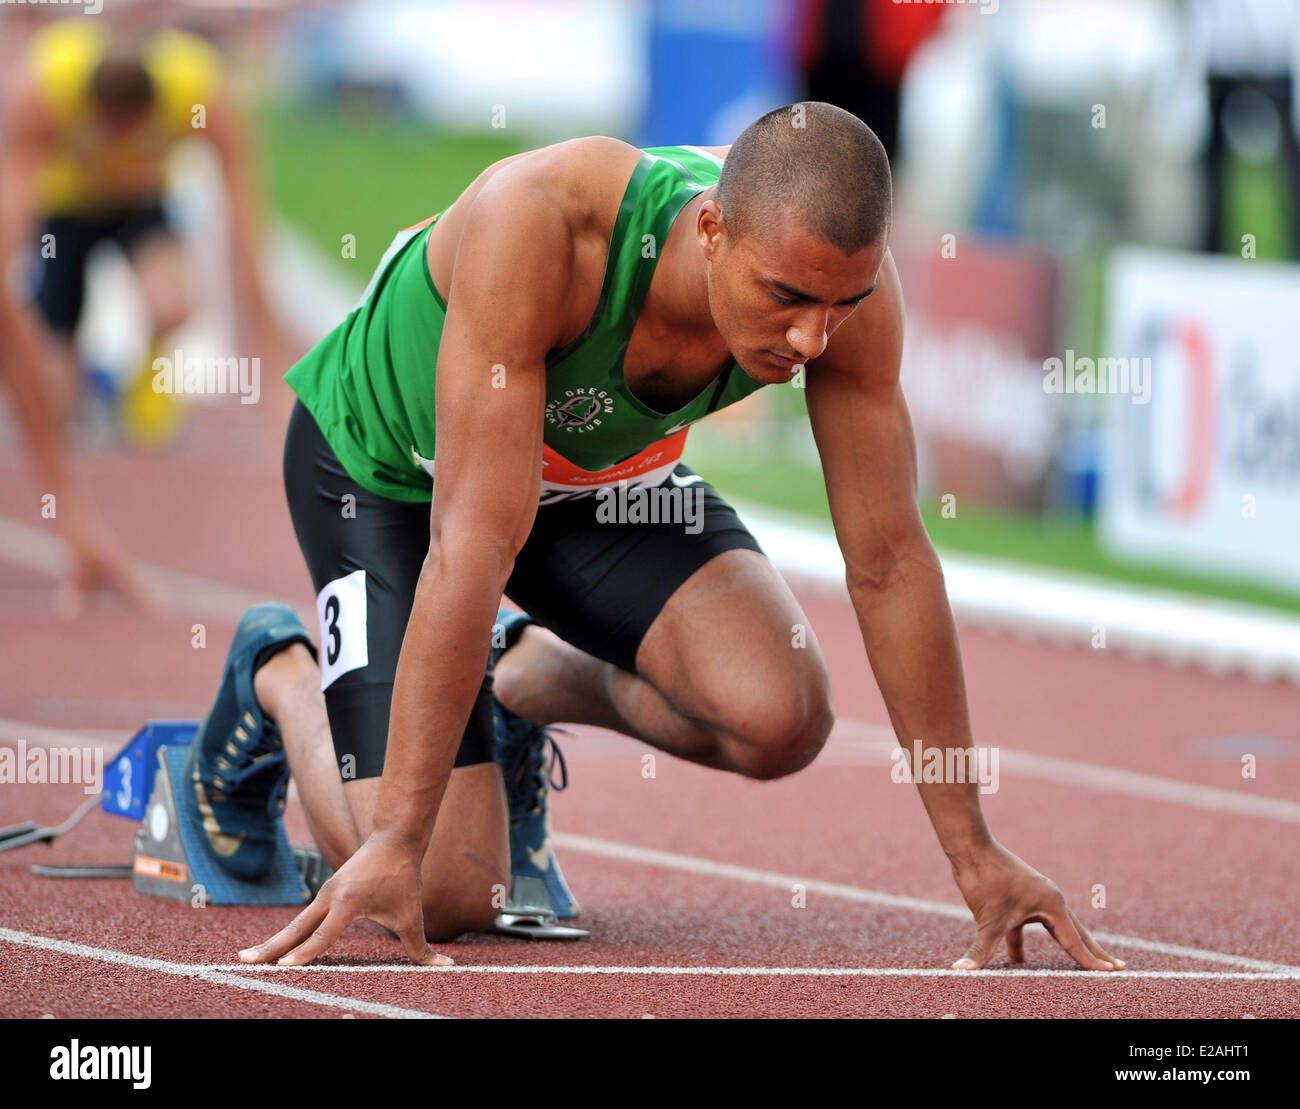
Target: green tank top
369	383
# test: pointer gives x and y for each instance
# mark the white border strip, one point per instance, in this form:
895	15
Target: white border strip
1176	627
211	975
770	972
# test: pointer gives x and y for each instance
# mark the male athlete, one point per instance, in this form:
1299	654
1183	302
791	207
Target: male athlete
90	120
555	330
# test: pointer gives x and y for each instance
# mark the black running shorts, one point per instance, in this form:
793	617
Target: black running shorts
596	583
60	281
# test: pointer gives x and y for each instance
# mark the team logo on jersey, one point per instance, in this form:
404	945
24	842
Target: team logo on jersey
579	409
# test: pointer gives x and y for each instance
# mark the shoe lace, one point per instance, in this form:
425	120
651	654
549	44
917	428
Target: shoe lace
264	769
527	769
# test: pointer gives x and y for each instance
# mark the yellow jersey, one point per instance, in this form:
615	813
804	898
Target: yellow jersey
90	167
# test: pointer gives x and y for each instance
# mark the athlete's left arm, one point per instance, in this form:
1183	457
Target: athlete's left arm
864	436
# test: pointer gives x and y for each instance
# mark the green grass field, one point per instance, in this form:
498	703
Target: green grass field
331	179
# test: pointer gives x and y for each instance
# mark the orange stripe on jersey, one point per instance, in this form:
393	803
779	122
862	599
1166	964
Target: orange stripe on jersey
560	471
422	223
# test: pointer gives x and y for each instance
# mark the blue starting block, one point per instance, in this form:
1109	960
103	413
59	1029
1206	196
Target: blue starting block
128	783
144	781
173	860
129	778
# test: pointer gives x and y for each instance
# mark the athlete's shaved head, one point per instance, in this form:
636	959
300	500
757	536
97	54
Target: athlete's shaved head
812	162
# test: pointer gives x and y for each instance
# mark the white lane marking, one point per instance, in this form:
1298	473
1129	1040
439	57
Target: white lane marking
877	742
39	735
35	548
878	739
191	594
188	593
777	972
206	974
712	868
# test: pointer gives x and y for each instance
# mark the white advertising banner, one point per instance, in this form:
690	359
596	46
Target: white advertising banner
1203	472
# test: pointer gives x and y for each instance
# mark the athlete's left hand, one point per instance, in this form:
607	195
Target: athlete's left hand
1004	894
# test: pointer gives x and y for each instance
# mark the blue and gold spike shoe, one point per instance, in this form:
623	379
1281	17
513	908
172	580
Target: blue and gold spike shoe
237	772
522	753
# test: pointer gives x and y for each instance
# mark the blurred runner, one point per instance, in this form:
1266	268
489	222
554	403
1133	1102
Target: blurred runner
96	558
90	122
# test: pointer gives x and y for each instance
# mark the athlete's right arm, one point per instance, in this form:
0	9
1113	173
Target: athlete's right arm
25	132
96	555
504	304
510	278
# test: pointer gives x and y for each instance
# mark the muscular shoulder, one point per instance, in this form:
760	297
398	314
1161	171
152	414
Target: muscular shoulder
59	61
550	210
186	71
583	179
26	121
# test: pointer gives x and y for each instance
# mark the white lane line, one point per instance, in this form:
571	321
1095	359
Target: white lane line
879	740
40	735
36	548
1149	787
196	595
184	593
712	868
776	972
205	974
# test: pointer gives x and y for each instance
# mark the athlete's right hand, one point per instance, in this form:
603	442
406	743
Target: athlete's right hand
381	882
97	561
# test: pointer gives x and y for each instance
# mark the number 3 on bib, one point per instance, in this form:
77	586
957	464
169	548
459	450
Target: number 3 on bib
341	606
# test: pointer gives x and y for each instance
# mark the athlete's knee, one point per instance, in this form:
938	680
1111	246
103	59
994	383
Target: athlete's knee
780	736
168	309
167	295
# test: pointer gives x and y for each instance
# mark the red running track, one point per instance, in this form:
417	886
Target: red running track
1115	772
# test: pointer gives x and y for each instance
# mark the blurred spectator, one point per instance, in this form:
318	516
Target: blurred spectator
853	54
1248	47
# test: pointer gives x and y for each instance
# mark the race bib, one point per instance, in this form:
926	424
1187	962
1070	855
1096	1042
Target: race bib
341	606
